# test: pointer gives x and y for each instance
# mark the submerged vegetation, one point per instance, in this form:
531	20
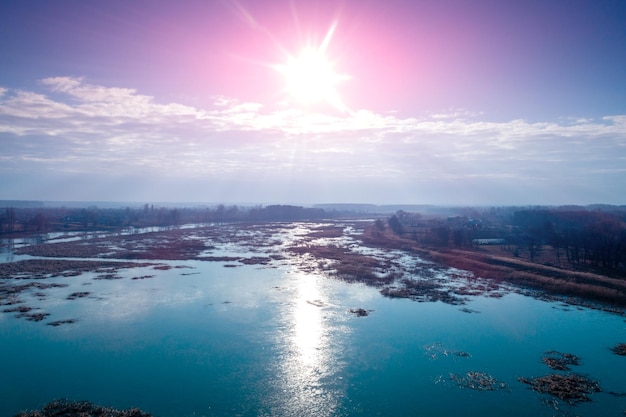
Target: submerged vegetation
477	380
560	361
64	408
570	388
619	349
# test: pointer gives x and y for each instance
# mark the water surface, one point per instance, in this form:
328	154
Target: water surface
254	340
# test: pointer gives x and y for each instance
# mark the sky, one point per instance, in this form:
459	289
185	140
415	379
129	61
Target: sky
454	102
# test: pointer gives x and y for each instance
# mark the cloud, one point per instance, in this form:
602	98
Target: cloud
30	105
110	102
63	84
73	126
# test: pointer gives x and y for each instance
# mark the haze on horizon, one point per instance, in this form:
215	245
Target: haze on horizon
450	102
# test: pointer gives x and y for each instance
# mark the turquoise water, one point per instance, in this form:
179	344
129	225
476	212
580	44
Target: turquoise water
258	341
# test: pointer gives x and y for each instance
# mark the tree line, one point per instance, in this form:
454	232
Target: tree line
579	237
19	220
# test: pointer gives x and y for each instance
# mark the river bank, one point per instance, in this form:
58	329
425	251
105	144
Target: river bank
586	288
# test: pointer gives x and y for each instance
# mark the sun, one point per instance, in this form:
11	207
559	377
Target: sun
310	76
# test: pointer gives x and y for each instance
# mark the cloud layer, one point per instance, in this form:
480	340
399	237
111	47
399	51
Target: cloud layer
131	146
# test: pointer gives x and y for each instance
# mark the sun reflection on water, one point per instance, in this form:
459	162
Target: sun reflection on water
310	384
308	323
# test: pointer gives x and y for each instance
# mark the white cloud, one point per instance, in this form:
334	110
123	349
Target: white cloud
108	106
30	105
107	130
63	84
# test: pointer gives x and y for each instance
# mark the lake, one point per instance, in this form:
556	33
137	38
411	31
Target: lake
220	338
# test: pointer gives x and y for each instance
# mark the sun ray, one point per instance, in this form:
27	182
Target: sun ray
328	37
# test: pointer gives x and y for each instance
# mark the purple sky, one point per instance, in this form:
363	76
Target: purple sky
446	102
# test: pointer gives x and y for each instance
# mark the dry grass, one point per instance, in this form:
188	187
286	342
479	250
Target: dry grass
502	266
347	265
326	231
42	268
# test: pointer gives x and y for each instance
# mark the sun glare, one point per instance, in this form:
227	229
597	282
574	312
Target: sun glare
311	78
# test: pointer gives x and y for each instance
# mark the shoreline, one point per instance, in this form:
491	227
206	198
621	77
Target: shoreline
587	288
